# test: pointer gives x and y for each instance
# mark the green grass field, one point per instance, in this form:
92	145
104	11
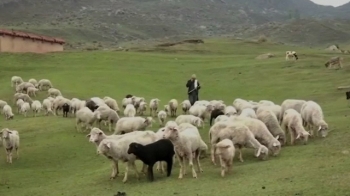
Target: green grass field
56	160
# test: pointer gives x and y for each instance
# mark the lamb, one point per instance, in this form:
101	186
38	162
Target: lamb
230	111
109	115
153	106
16	80
136	101
32	91
201	111
47	106
129	124
162	115
186	105
261	133
167	109
142	107
214	114
59	102
194	120
117	150
313	117
291	54
186	143
7	111
44	84
240	136
292	123
248	112
173	107
77	104
87	117
203	146
130	110
65	109
19	104
53	92
33	81
226	152
270	120
36	107
10	140
24	97
25	108
161	150
23	87
112	103
126	101
2	104
295	104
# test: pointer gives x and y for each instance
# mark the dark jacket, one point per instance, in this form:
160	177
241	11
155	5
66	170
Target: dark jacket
190	86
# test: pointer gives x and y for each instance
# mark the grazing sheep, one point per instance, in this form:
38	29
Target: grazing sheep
2	104
112	103
194	120
22	88
270	120
91	105
187	144
202	103
22	96
44	84
167	109
142	107
36	107
335	61
77	104
173	107
25	108
276	109
109	115
162	117
19	104
291	54
7	111
128	96
226	152
161	150
248	112
230	111
126	101
293	124
130	110
48	106
59	102
295	104
214	114
53	92
16	80
117	150
153	106
32	91
201	111
186	105
136	101
129	124
33	81
313	117
222	118
65	109
87	117
241	104
265	103
10	141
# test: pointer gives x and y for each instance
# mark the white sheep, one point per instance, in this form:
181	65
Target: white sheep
276	109
270	120
85	117
16	80
7	111
2	104
25	107
10	141
33	81
32	91
142	107
77	104
136	101
230	111
173	107
221	118
291	54
22	96
153	106
36	107
248	112
130	110
117	150
126	101
48	106
44	84
19	104
112	103
265	103
201	111
202	102
167	109
217	104
162	115
59	102
293	124
185	105
313	117
194	120
186	143
295	104
23	87
226	152
53	92
108	114
129	124
241	104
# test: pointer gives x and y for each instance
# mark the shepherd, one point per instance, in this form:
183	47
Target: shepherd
193	87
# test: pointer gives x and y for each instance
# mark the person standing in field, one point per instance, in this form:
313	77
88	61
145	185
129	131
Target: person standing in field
193	87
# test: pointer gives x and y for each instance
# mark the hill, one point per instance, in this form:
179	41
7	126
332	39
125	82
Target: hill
111	22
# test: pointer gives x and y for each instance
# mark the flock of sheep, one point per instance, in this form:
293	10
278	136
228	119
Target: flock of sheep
263	126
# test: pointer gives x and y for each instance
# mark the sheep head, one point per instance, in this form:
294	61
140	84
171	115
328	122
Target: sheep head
323	129
134	148
95	135
5	133
171	132
303	135
262	152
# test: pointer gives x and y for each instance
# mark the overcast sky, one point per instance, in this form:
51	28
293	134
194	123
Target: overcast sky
331	2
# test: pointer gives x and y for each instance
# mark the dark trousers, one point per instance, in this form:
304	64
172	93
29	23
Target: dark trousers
193	97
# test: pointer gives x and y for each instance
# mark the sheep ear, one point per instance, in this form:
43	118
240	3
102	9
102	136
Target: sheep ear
10	132
100	133
298	136
108	145
88	135
319	128
258	153
277	137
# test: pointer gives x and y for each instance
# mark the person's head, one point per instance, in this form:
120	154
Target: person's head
193	77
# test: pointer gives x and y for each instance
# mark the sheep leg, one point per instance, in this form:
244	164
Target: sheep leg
169	164
126	172
150	172
144	170
197	155
136	172
160	167
114	169
292	138
212	154
9	154
181	162
190	158
240	155
223	168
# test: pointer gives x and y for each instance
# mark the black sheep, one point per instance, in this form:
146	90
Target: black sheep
161	150
215	113
128	96
91	105
65	109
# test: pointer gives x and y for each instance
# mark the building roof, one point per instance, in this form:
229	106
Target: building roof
31	36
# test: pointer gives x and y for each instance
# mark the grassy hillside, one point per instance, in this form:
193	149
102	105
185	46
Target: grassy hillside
56	160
